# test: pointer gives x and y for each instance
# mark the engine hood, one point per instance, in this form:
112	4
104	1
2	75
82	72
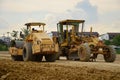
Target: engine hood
43	38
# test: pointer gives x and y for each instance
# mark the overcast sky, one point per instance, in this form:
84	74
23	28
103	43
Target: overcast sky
102	15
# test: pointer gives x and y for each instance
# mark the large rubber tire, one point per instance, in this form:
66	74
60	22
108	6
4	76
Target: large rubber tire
73	56
51	57
17	57
111	55
84	52
38	57
27	52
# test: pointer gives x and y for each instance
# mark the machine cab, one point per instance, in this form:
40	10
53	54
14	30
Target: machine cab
35	27
67	27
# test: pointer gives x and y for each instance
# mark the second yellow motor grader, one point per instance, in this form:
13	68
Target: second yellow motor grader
74	45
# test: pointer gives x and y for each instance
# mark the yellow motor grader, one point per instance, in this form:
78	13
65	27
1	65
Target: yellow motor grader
35	45
75	46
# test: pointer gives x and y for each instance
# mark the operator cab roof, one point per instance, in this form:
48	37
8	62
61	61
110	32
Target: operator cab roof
34	24
69	21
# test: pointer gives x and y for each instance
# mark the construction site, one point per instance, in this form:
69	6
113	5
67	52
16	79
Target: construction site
68	56
59	40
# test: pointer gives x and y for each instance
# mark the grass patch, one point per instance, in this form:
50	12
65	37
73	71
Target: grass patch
3	47
118	51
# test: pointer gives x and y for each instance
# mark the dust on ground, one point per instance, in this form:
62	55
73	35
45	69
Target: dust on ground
59	70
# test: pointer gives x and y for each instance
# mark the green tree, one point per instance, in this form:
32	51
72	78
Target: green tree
107	42
14	34
25	31
3	46
116	40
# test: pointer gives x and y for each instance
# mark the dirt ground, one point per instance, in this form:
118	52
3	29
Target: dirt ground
59	70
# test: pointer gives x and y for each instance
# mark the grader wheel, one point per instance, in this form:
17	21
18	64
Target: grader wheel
111	55
27	52
84	52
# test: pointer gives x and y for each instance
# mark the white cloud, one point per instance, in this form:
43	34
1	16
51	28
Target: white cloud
52	19
106	6
56	10
104	28
38	5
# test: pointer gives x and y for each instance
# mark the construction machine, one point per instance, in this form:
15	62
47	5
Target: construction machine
76	46
35	45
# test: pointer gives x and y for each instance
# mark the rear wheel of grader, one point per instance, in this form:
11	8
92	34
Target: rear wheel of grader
27	52
111	54
73	56
16	58
84	52
50	57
